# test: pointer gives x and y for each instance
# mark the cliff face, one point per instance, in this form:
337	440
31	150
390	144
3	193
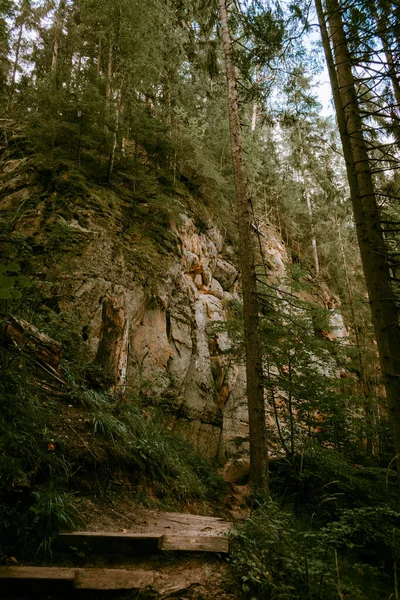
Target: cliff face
145	293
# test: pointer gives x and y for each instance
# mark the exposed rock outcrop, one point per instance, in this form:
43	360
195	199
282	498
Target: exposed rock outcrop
152	333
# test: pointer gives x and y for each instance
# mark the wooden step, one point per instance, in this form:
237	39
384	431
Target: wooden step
34	580
58	580
112	579
195	543
106	542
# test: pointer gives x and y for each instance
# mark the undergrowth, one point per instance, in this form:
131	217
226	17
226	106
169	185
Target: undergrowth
140	440
40	457
318	539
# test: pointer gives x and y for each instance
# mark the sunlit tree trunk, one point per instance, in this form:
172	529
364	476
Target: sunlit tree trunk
254	117
252	334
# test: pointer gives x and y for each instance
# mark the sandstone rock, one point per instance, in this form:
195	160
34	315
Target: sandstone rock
216	237
235	427
215	289
225	273
181	344
215	310
164	287
191	262
151	347
205	436
207	278
199	391
186	287
236	471
198	281
337	327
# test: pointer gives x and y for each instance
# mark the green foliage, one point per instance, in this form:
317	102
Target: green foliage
140	440
11	280
352	557
30	474
37	457
321	482
52	511
268	556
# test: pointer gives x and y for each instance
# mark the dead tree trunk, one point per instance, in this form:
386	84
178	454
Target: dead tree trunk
30	340
369	232
113	351
252	334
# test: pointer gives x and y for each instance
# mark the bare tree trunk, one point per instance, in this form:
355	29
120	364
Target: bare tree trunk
254	117
369	232
98	66
309	207
252	334
109	70
15	67
111	159
57	35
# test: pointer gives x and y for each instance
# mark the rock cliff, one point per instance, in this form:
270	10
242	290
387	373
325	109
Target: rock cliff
145	285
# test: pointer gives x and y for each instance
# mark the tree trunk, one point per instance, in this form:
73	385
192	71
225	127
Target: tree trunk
309	207
390	60
366	213
363	379
109	70
254	117
391	72
15	67
57	35
98	66
30	340
252	334
113	351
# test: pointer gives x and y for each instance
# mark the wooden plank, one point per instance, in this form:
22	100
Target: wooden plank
36	580
200	543
53	573
186	516
103	542
112	579
111	534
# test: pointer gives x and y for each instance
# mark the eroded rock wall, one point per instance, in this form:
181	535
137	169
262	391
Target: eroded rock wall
168	349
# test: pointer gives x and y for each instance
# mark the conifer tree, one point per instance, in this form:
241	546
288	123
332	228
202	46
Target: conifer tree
369	230
252	333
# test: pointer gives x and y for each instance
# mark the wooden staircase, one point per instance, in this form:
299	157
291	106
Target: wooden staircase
143	559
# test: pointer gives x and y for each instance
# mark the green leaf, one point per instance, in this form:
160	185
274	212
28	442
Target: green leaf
6	282
23	281
14	267
16	294
5	294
